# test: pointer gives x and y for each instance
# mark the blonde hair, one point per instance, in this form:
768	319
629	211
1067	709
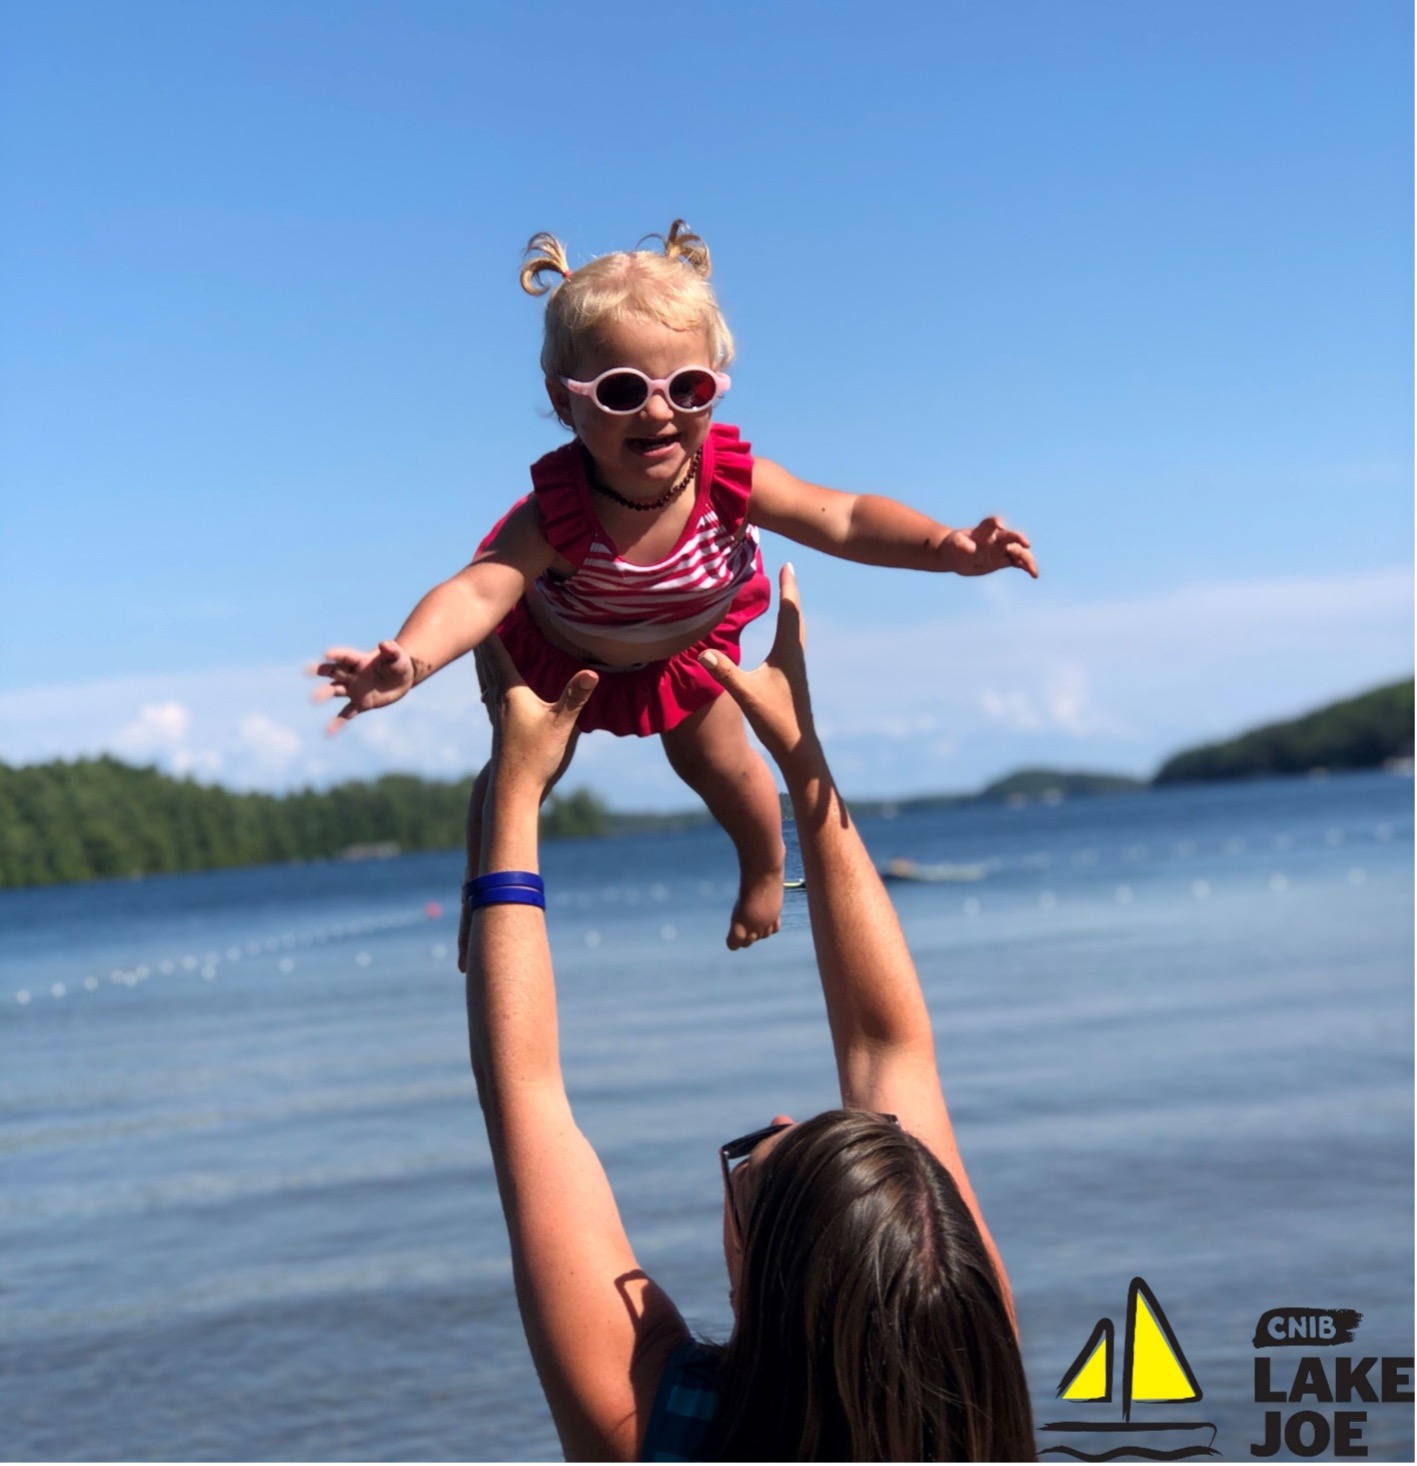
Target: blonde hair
668	285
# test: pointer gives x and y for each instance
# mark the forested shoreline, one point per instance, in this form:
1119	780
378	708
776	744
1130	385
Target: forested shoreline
1358	733
101	818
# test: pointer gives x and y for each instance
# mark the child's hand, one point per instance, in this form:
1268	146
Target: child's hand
987	547
368	679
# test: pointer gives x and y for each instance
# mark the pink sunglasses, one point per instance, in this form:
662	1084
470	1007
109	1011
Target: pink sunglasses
623	390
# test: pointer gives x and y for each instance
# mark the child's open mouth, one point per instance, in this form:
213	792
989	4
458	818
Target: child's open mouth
652	447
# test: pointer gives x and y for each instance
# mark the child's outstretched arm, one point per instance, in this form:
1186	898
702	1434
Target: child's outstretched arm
449	621
876	531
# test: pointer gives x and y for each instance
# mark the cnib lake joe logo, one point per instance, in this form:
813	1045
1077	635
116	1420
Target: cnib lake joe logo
1153	1371
1313	1379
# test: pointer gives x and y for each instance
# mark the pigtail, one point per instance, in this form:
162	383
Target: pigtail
682	244
545	255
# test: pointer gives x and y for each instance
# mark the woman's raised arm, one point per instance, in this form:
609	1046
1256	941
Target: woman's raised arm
600	1331
885	1048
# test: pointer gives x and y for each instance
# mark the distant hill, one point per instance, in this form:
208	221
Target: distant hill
1023	786
1040	783
1359	733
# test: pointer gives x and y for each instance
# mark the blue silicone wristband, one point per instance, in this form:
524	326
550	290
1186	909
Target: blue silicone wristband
495	878
520	887
508	896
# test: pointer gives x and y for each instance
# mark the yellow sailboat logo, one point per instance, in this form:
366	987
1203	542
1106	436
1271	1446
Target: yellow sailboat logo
1154	1369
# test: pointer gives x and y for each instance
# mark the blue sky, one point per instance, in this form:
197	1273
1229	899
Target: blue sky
1138	277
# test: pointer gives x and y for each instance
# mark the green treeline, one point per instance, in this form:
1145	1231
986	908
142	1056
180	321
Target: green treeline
99	817
102	818
1361	733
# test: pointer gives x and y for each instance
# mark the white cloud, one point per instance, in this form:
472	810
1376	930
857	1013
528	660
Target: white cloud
941	705
267	743
1012	709
158	729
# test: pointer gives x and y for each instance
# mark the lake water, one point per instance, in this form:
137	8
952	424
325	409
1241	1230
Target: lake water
247	1209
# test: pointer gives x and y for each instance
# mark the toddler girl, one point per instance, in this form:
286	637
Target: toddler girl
637	549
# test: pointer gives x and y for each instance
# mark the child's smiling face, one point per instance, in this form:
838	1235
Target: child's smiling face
643	453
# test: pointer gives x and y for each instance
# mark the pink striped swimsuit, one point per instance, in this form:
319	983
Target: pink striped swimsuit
715	571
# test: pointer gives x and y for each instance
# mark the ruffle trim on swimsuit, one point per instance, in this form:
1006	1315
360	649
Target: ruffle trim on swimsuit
728	470
563	494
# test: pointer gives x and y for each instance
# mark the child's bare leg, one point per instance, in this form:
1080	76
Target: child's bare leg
474	839
710	752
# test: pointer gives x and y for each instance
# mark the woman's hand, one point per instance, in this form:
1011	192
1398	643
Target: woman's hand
368	679
532	742
774	697
530	738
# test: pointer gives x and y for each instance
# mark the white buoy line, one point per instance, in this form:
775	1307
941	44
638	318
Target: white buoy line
1137	852
207	965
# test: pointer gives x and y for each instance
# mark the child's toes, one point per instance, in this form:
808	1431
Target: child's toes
758	912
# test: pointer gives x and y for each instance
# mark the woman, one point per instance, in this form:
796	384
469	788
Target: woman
872	1313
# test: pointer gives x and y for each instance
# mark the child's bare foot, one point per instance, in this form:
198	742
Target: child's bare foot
758	912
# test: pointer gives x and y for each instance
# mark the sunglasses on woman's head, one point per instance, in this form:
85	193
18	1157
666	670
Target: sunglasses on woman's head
732	1155
623	390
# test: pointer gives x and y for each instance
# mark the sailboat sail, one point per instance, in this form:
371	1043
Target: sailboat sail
1089	1376
1154	1368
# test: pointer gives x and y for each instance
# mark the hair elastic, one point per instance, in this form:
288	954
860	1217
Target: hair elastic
505	888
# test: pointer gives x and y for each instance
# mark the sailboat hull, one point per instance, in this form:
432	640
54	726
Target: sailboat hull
1097	1440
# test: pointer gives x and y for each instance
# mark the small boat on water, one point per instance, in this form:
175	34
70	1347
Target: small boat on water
901	869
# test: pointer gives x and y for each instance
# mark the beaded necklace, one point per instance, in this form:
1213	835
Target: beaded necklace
667	497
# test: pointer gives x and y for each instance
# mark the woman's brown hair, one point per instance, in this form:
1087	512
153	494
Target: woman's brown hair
871	1323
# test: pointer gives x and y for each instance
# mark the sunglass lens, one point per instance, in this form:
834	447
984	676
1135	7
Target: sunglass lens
621	392
692	391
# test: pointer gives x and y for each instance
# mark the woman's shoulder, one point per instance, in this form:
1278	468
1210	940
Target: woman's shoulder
684	1404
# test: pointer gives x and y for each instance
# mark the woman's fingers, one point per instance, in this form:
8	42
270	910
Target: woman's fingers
496	671
576	693
723	671
791	629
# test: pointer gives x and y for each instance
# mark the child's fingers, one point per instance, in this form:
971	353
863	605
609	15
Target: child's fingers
1020	556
